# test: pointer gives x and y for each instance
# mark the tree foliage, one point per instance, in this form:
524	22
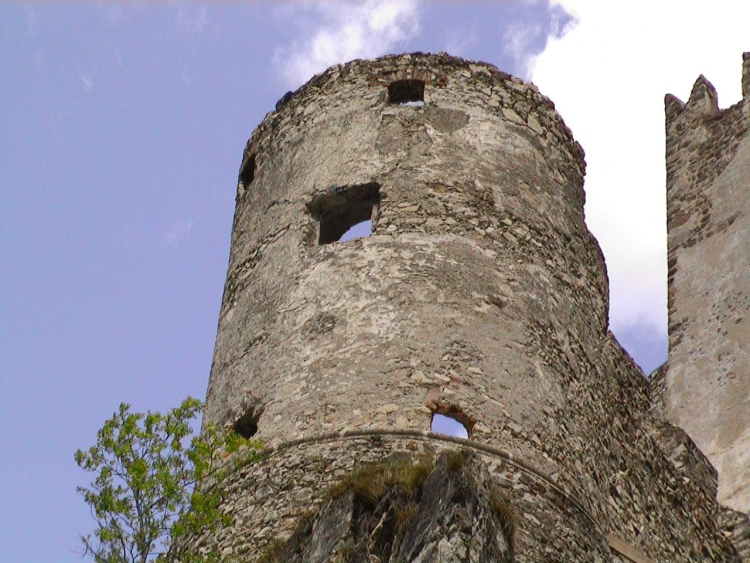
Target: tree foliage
156	484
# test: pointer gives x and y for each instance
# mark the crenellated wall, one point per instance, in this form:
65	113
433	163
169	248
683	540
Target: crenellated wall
480	295
705	387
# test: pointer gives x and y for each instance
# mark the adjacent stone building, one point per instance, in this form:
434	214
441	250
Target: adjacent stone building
481	296
705	386
707	379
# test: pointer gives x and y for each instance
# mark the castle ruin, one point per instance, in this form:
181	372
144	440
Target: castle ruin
705	386
481	296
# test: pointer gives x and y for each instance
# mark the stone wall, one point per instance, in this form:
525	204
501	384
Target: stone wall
550	524
268	499
480	295
706	383
736	526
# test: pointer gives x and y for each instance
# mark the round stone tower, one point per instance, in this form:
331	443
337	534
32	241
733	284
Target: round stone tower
480	295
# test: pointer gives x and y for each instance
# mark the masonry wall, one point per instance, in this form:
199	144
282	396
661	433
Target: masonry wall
480	295
705	387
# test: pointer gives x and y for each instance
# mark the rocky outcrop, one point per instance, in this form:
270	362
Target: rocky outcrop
403	511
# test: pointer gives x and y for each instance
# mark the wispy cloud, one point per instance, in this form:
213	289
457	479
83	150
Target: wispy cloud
87	77
341	31
31	22
192	20
87	81
647	339
525	41
518	40
179	230
119	59
113	14
461	40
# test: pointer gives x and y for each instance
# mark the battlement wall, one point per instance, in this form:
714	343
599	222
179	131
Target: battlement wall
706	386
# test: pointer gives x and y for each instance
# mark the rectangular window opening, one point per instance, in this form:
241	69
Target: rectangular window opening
406	92
345	212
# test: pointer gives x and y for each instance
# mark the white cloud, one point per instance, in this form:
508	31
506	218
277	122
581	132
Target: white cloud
517	41
608	77
521	40
347	30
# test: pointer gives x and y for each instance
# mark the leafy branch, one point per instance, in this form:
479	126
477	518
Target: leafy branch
157	485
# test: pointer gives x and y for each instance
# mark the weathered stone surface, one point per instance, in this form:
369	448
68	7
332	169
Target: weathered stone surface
736	526
427	512
706	383
268	498
480	295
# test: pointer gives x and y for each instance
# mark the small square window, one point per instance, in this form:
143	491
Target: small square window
341	208
406	92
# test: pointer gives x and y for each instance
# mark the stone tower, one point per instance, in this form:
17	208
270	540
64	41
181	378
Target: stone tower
708	194
480	295
705	386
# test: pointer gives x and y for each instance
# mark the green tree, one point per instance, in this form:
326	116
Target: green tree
156	484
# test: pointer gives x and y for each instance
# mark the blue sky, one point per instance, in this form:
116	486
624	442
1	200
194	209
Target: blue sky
121	133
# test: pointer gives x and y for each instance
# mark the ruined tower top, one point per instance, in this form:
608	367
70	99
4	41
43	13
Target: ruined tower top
435	150
705	386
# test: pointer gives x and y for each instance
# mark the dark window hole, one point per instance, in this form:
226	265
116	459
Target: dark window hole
345	211
406	92
247	425
247	172
450	421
